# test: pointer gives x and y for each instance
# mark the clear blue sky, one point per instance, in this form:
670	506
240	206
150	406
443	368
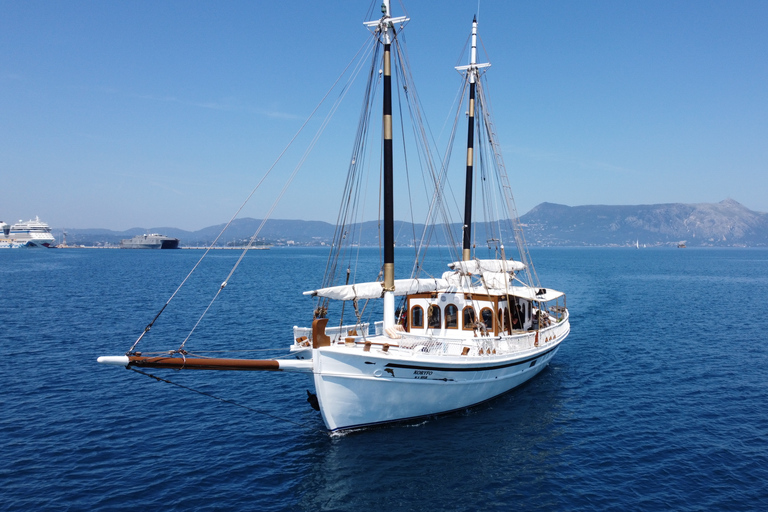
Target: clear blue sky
119	114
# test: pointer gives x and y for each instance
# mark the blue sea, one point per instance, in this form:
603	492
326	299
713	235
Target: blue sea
658	399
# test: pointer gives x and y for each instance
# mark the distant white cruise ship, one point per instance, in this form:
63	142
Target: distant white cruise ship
32	233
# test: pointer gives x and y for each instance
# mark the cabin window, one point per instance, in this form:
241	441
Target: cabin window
469	318
417	317
434	316
516	317
500	320
487	315
451	317
511	322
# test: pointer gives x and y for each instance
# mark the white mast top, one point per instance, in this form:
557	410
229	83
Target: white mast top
473	67
385	24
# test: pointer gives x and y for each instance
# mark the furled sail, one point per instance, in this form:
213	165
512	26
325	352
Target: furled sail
480	266
536	294
374	290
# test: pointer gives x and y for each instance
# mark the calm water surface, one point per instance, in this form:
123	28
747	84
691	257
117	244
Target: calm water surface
657	400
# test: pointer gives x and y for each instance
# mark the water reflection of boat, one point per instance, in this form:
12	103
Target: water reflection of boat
476	331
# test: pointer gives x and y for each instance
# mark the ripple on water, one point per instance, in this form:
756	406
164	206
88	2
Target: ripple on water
655	401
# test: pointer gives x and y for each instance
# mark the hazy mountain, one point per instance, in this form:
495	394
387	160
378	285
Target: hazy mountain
723	224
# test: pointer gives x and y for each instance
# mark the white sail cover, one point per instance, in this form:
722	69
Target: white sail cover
457	279
496	280
481	266
375	290
537	294
422	285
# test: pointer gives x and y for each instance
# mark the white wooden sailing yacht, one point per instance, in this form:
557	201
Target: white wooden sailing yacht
477	331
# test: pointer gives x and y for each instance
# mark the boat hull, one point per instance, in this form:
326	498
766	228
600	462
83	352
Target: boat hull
153	241
361	391
26	244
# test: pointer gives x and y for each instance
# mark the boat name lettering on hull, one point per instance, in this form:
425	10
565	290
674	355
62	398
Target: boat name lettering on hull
421	374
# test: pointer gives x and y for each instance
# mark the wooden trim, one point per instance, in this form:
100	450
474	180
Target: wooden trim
439	314
319	338
494	327
445	315
411	322
200	363
463	323
426	295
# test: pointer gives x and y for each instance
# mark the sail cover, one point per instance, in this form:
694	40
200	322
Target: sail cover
375	289
537	294
479	266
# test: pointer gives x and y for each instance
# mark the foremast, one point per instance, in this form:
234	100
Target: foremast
472	71
386	31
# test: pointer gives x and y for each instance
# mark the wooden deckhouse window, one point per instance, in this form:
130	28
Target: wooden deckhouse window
487	315
434	317
509	323
451	317
469	318
417	317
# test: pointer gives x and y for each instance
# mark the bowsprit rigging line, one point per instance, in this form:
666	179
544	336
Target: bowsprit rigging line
250	195
231	402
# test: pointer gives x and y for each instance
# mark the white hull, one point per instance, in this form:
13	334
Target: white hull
11	244
359	389
44	243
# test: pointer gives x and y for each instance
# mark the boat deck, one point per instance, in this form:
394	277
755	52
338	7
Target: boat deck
402	343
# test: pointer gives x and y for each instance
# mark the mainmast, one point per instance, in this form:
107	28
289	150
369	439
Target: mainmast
472	75
386	30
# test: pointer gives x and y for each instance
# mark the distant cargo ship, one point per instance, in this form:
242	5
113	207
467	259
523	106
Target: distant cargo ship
32	233
151	241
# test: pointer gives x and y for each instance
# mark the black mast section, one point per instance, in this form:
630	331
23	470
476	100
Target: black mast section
466	248
389	223
472	74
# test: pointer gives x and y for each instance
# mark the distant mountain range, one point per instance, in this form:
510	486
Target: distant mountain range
724	224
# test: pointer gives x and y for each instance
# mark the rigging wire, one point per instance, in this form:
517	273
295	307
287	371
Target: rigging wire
350	203
432	180
522	247
231	402
277	200
248	198
401	79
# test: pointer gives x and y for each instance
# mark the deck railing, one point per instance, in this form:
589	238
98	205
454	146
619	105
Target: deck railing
483	345
519	342
337	333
